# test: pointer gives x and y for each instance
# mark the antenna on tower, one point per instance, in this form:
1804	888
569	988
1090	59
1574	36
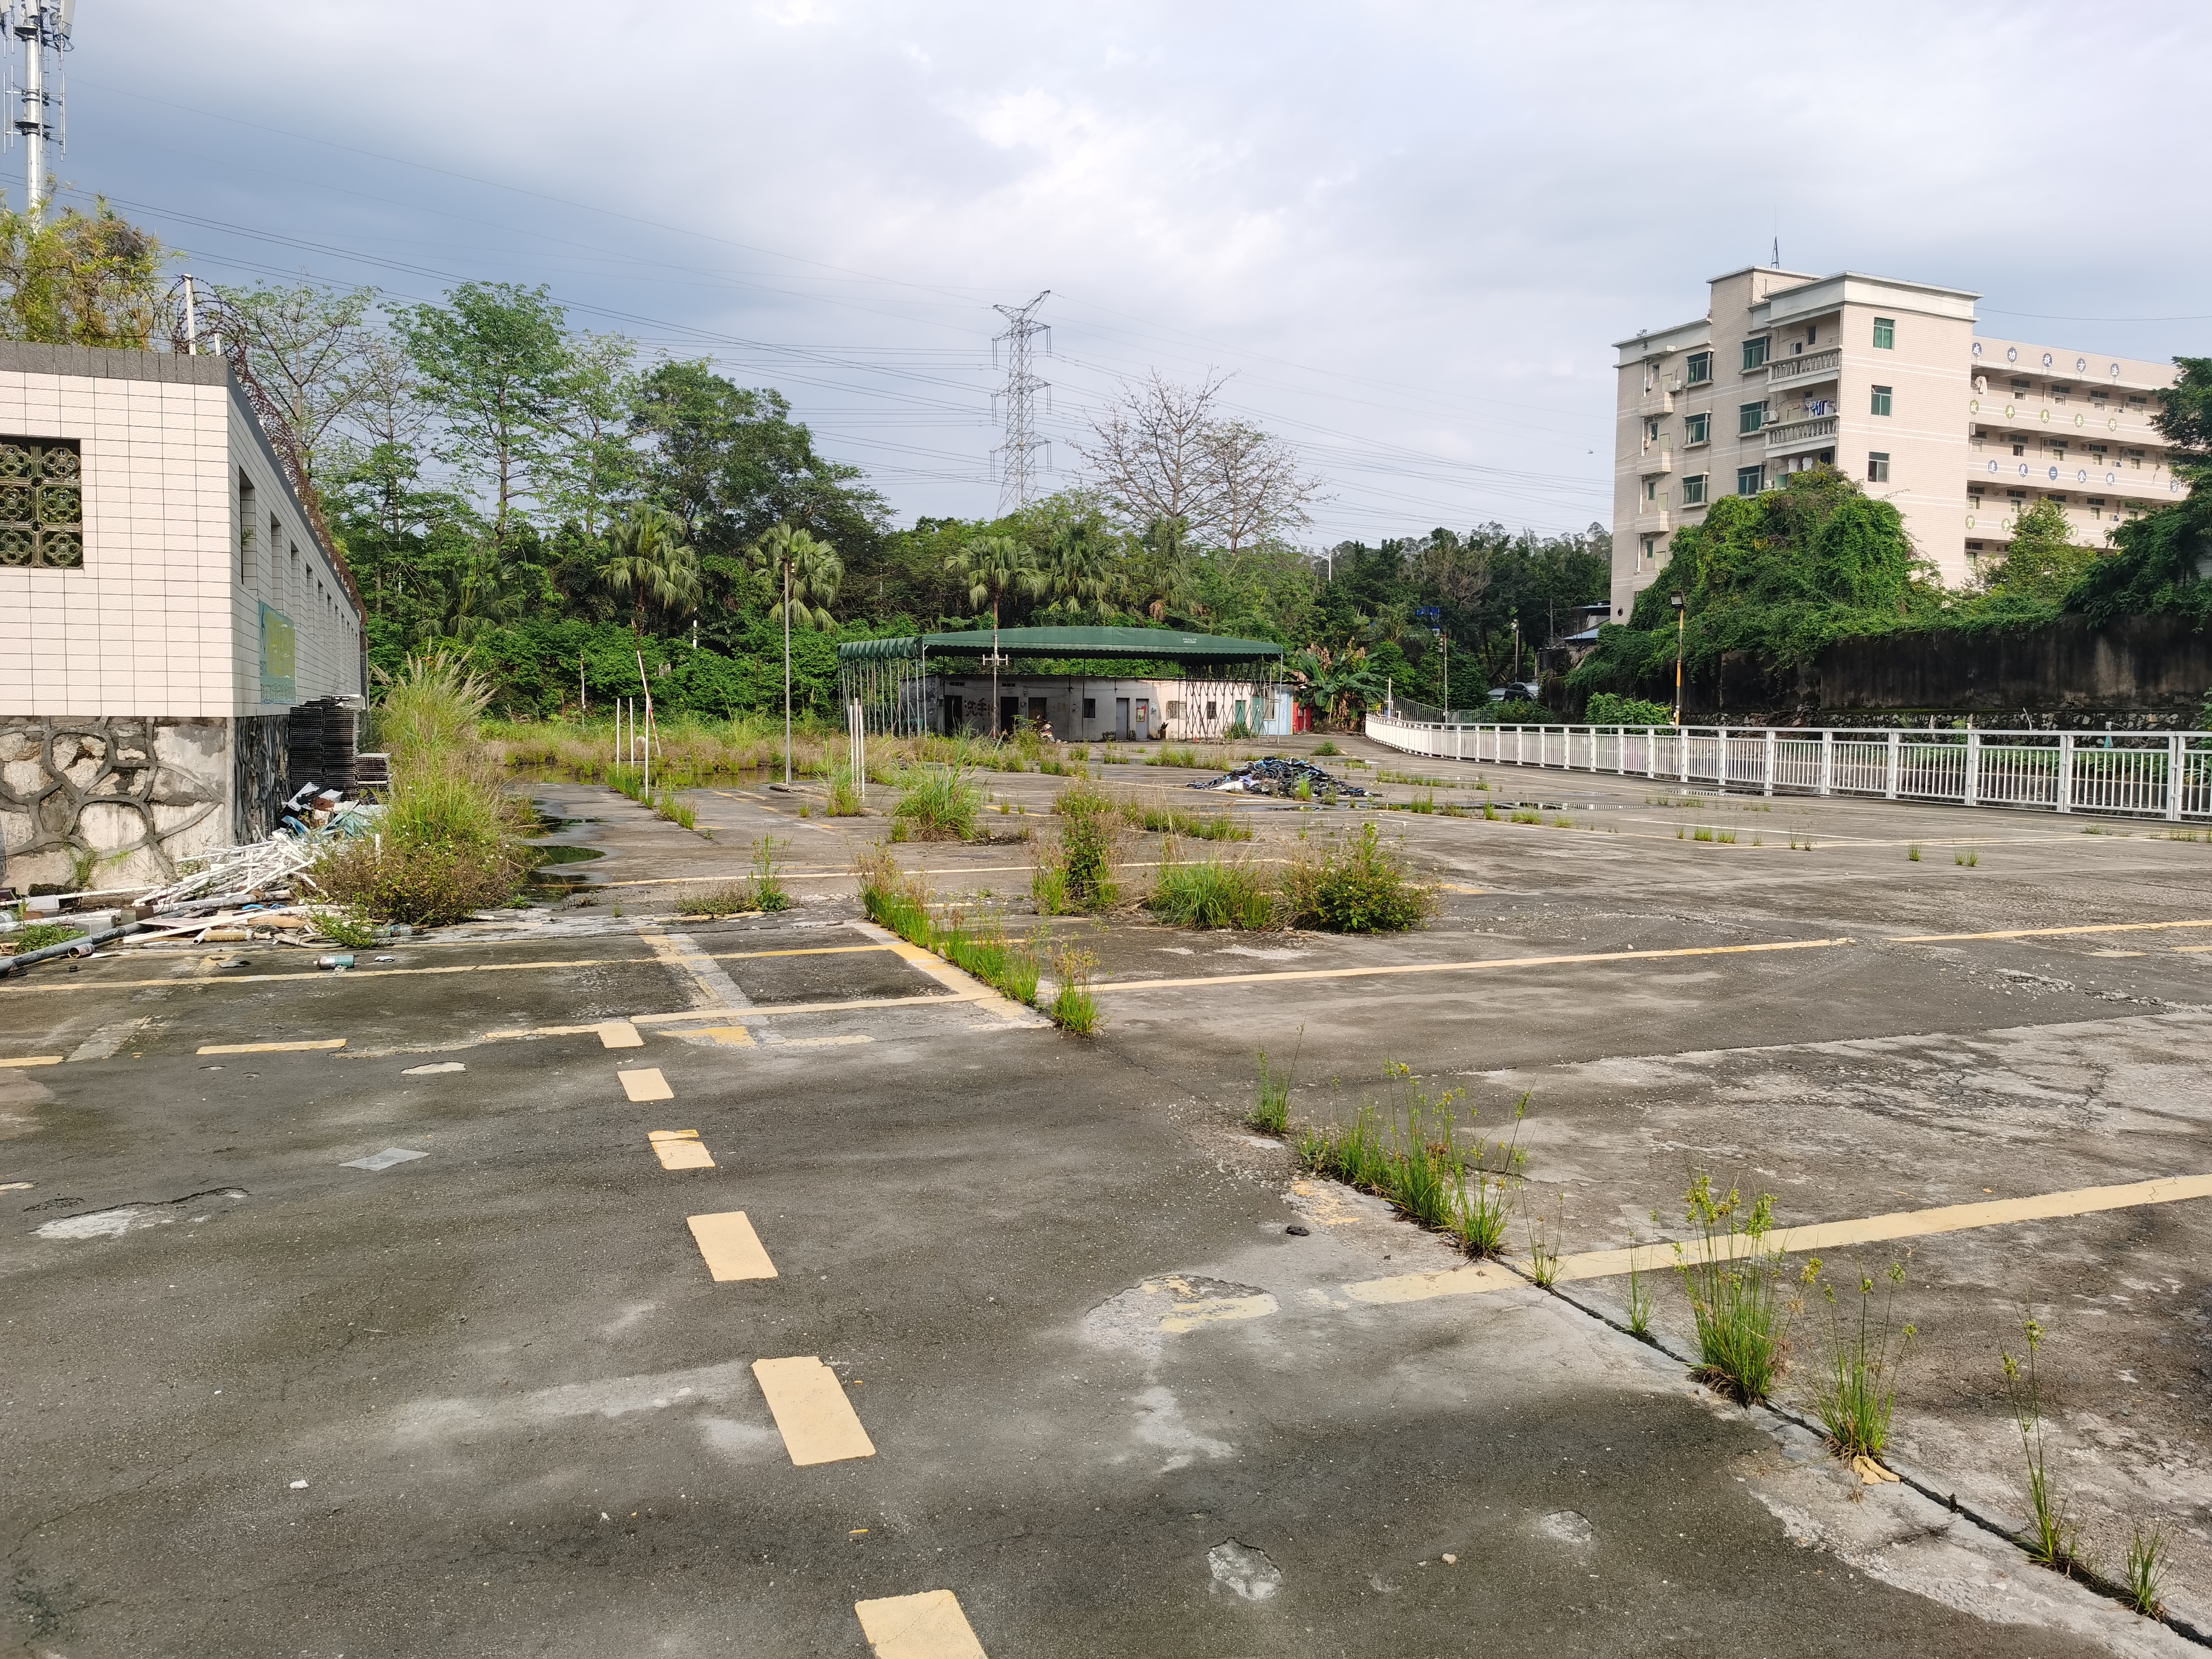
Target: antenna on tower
1016	467
38	103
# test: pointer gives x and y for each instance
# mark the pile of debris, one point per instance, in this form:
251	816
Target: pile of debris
1278	774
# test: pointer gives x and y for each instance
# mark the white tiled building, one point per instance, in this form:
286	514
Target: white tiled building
1890	382
172	627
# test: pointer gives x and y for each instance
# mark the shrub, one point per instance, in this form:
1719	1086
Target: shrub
1360	889
939	805
1611	708
37	935
1328	747
1212	893
353	931
1076	873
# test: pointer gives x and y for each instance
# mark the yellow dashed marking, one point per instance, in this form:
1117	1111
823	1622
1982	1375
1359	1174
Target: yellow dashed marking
272	1048
646	1083
775	1008
1465	967
929	1626
37	1060
619	1034
824	1043
680	1149
732	1248
817	1422
730	1036
2052	933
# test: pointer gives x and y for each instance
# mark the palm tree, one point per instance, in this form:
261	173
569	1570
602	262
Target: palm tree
809	572
648	558
992	567
1080	567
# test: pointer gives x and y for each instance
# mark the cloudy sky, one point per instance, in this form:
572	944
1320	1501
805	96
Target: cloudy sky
1408	231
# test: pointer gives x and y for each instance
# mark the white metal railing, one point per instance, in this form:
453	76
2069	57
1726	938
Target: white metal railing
2160	775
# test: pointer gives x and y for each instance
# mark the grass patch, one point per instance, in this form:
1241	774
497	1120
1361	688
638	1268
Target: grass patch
1966	861
1212	893
975	944
764	893
37	935
349	929
1522	815
1731	1281
1858	1390
938	804
1160	818
1075	872
844	796
1074	1007
1327	748
1416	1158
1356	887
1182	755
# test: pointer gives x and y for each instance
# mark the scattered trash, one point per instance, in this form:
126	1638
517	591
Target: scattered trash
235	962
384	958
1244	1570
1278	774
1870	1472
1297	1231
337	959
299	1485
1451	1561
441	1067
383	1160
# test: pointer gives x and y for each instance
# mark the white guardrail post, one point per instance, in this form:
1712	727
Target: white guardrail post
1769	788
2066	771
1827	762
1973	767
1889	768
2176	749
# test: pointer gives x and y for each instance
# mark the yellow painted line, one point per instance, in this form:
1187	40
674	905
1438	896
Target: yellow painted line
811	950
619	1034
2189	949
1466	967
272	1048
731	1248
1486	1276
680	1149
817	1422
2050	933
730	1036
644	1083
34	1059
774	1008
953	978
929	1626
92	984
1225	1311
825	1042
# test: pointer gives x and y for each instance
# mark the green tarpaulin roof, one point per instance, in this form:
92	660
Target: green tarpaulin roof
1125	644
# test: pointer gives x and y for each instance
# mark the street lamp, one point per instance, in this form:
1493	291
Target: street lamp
1680	614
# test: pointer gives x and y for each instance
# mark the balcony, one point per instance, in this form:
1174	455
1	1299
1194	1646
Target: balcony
1659	399
1801	434
1652	519
1814	365
2040	470
2085	419
1657	458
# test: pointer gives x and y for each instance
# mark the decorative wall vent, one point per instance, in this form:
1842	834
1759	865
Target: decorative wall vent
41	503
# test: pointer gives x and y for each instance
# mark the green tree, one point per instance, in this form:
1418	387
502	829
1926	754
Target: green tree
74	278
808	573
649	561
496	367
2165	557
2042	562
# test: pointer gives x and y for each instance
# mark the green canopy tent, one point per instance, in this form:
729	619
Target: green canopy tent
890	677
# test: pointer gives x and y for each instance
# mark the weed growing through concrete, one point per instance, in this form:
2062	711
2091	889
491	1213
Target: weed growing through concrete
1968	861
1489	812
1912	851
1075	872
1522	815
1701	833
1801	843
1733	1296
1271	1115
1184	756
899	900
1423	803
2147	1573
1562	822
1327	748
2051	1538
1419	1164
1857	1394
351	929
732	901
844	796
1074	1008
1162	819
768	890
1543	1249
1639	1295
37	935
1360	886
939	804
1727	837
1211	893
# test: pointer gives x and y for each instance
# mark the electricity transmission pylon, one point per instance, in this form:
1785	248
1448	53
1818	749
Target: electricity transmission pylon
1017	465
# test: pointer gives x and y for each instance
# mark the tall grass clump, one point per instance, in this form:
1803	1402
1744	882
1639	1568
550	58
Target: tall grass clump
1212	893
449	840
1162	819
1271	1113
1857	1391
977	944
1731	1275
938	804
844	795
1409	1151
1074	1006
1075	872
1356	887
2052	1538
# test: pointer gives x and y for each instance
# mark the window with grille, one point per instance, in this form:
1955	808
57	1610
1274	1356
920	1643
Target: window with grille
41	503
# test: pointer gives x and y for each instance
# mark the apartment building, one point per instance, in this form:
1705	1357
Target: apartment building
1890	382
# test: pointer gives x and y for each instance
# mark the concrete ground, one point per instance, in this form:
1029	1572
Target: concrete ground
493	1400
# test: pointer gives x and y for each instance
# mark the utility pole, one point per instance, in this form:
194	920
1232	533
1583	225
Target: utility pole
1681	621
39	27
1017	464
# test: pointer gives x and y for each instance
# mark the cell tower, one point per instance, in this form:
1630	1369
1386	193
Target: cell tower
37	27
1017	465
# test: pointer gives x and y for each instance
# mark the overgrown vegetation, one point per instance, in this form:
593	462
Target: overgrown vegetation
349	929
975	942
1212	893
449	840
1731	1275
1354	886
1075	870
1857	1391
37	935
939	803
1074	1006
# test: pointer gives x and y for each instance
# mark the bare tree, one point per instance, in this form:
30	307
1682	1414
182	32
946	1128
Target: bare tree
1166	454
304	346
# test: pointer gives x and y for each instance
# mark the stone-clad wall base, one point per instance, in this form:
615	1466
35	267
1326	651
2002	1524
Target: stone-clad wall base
112	801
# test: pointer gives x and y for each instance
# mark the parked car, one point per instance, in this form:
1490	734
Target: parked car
1512	691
